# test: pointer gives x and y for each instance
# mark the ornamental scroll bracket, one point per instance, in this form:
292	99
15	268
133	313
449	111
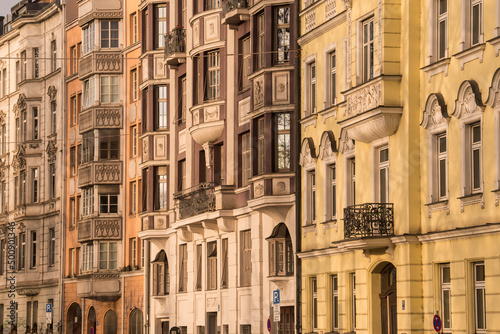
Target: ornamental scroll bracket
51	150
52	93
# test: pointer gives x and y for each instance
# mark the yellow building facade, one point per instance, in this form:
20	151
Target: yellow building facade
400	157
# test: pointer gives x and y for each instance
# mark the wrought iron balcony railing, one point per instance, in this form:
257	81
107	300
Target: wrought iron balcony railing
175	41
229	5
369	220
196	200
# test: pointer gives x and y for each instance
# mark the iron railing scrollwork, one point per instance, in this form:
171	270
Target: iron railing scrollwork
229	5
369	220
175	41
196	200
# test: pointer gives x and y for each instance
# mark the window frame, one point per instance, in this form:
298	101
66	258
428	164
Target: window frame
109	89
445	286
88	39
282	49
246	258
441	18
479	285
106	262
213	75
246	163
108	202
314	303
33	249
53	55
109	42
368	49
212	265
52	246
283	141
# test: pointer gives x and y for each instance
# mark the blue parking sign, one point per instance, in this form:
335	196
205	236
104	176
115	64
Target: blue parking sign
48	308
276	296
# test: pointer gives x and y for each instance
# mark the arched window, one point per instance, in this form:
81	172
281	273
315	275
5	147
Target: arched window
280	252
91	321
74	319
161	280
135	322
110	322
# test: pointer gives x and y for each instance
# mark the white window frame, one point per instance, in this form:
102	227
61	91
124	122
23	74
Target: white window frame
445	287
314	304
213	75
88	33
35	186
479	286
308	62
88	89
334	314
330	71
467	24
110	29
87	257
350	179
87	201
33	249
105	255
378	166
134	85
441	18
246	153
352	283
366	55
110	89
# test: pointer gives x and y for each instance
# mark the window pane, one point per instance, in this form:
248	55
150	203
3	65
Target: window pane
475	167
480	309
442	178
442	39
442	144
442	6
476	24
446	309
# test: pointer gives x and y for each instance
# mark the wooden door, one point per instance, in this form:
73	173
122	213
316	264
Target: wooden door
388	300
286	320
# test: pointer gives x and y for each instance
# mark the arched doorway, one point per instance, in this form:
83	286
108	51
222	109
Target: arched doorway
110	323
388	300
74	319
135	322
91	321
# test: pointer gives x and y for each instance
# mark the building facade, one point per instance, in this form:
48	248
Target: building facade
31	109
399	191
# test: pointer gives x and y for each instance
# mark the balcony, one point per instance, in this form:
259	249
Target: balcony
101	118
196	200
109	172
175	47
234	12
100	228
101	286
207	122
369	220
100	62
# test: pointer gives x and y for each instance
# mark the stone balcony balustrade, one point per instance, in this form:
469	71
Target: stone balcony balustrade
100	117
100	228
175	47
100	286
100	62
103	172
234	12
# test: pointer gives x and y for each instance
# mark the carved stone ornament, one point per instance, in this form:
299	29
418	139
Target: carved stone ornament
145	148
2	117
346	144
2	169
108	62
307	153
20	105
435	112
364	99
327	146
468	100
209	160
258	87
51	151
347	4
494	93
19	160
330	8
52	93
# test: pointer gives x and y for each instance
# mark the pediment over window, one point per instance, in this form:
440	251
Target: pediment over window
20	105
307	153
494	93
435	112
160	258
327	146
468	101
279	231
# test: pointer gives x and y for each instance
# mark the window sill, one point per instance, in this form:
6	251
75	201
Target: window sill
471	199
495	41
438	206
328	112
436	68
309	228
497	196
475	52
329	224
309	120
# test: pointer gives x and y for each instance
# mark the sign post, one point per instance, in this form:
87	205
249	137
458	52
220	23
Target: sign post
276	306
437	323
48	313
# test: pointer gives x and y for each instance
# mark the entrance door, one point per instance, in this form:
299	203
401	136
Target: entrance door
91	321
286	320
164	327
388	303
212	323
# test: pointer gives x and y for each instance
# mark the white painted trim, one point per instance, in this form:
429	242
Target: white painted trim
331	48
375	146
306	84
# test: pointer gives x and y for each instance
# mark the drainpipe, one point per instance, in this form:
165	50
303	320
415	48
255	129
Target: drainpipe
298	197
146	285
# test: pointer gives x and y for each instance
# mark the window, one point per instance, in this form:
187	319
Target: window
22	251
353	300
108	255
212	265
245	63
88	92
72	212
110	322
53	117
18	73
4	196
88	201
52	246
133	197
161	25
109	89
143	242
225	263
260	145
73	110
88	38
280	252
4	82
283	141
311	181
72	161
246	329
442	166
109	144
351	181
22	184
36	63
445	296
245	159
35	123
88	147
2	267
33	250
3	139
134	82
108	203
73	59
199	259
182	175
183	268
475	157
383	174
312	88
246	259
442	28
213	75
368	49
53	56
479	297
335	303
162	116
212	4
332	191
87	257
261	39
24	65
135	28
52	180
283	34
16	191
183	97
109	34
34	184
314	303
332	96
476	24
184	13
162	189
135	322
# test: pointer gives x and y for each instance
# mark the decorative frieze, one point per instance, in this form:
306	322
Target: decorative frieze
19	160
364	99
330	7
310	20
100	118
107	173
99	228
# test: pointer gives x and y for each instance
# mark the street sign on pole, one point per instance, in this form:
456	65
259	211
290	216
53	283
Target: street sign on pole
48	313
276	313
276	296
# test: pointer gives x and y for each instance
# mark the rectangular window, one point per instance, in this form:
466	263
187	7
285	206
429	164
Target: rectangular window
34	184
245	63
332	170
2	270
212	4
109	144
88	92
87	147
283	141
52	246
36	63
311	180
35	123
16	191
333	79
18	73
72	212
108	203
162	116
353	300
134	83
183	97
52	180
260	145
335	303
213	75
212	265
479	297
88	38
33	255
73	110
142	252
135	28
476	23
22	251
368	49
3	139
133	197
199	260
312	88
442	28
24	65
445	296
260	41
72	161
4	82
28	315
224	265
87	257
108	255
383	174
53	56
442	166
181	178
22	183
183	278
245	159
88	201
161	25
351	181
109	34
246	257
283	34
314	303
73	59
4	197
110	89
162	189
246	329
475	140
